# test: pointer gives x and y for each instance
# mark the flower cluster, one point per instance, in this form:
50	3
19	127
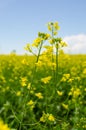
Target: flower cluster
3	126
47	117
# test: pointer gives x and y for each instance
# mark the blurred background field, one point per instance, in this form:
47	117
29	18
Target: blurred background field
44	104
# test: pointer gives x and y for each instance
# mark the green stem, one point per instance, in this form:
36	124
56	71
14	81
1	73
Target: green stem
34	69
56	74
53	73
39	51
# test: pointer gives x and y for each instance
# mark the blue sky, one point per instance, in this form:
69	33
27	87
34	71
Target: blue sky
21	20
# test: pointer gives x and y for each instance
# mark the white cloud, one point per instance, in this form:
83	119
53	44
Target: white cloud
76	44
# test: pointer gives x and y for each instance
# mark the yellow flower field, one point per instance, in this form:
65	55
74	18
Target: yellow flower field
24	95
43	91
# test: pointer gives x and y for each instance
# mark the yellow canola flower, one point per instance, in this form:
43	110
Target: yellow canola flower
70	80
23	81
55	33
53	25
51	117
51	41
24	62
76	92
46	116
54	65
65	106
56	26
63	44
48	51
44	36
37	40
32	92
47	36
59	93
46	79
3	79
30	102
39	63
29	86
84	71
39	95
35	45
65	77
18	93
70	93
49	27
28	47
42	119
48	47
3	126
85	89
